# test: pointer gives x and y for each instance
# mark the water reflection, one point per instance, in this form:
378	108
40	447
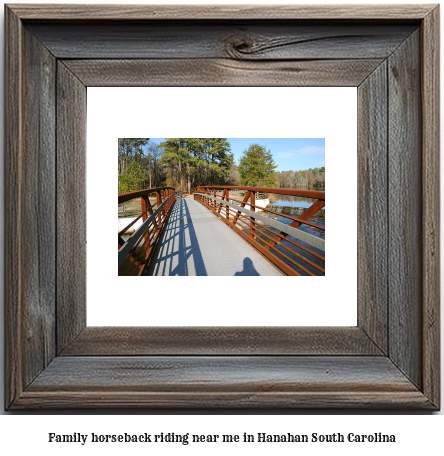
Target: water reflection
289	201
296	201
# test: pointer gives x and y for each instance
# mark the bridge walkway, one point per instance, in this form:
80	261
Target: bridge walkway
196	243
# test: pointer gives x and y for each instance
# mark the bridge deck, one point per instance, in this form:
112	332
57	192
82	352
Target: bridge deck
197	243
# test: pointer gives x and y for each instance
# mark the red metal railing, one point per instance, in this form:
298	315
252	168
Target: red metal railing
136	253
292	250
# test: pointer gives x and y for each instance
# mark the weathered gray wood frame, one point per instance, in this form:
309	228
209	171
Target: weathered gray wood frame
391	359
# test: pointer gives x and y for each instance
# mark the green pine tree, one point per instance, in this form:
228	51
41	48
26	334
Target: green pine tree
197	161
134	179
257	167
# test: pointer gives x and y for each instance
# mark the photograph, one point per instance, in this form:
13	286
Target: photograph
175	192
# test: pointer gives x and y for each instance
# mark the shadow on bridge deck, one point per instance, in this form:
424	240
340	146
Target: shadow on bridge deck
196	243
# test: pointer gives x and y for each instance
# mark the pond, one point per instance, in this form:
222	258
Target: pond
296	201
289	201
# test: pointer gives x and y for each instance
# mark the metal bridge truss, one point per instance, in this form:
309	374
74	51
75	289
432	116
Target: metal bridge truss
136	253
291	250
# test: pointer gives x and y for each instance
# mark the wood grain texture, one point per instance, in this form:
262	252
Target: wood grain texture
259	40
127	341
13	207
71	206
208	381
220	12
372	207
221	72
405	209
206	373
431	204
38	222
257	400
30	205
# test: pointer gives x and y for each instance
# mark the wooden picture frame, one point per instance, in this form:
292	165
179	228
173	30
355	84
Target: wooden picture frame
390	360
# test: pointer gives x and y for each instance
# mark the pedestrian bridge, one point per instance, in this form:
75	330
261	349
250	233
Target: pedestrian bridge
213	233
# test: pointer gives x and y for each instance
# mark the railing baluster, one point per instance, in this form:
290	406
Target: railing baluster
145	204
306	215
246	198
140	254
227	209
252	204
255	230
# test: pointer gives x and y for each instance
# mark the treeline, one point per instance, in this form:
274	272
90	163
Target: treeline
182	163
196	161
310	178
185	163
139	164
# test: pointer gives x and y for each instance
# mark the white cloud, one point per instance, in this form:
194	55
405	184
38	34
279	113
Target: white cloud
285	154
310	150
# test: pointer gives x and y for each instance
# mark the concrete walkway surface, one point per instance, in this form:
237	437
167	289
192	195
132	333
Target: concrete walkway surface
196	243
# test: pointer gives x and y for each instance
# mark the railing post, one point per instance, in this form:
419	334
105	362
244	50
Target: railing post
288	254
252	208
227	208
246	198
164	208
145	208
159	202
208	199
142	248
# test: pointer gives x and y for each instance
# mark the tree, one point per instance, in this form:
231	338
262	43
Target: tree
234	178
217	156
197	161
133	179
151	165
310	176
300	179
286	179
320	179
130	149
178	152
257	167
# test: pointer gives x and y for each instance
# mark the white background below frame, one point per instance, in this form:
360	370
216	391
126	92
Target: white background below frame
248	112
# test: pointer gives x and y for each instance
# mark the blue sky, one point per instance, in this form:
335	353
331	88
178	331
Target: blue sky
288	153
